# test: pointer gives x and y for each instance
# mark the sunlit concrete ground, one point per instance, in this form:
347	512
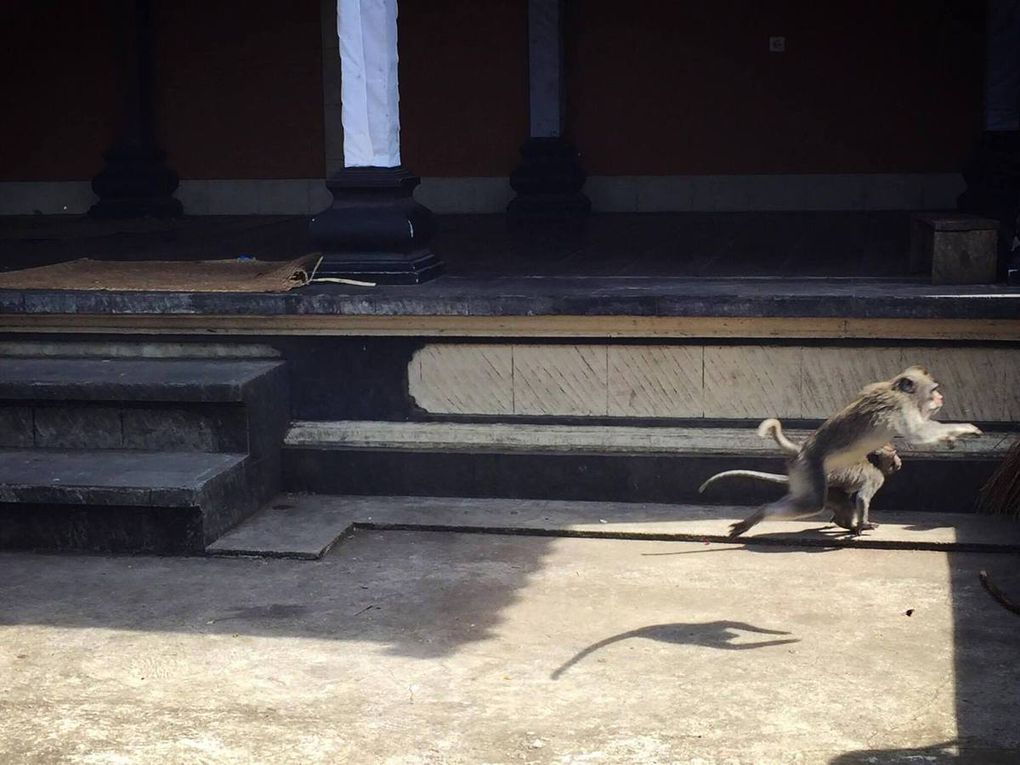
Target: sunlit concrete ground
418	647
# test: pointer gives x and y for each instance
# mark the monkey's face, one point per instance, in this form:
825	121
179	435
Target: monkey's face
886	459
917	383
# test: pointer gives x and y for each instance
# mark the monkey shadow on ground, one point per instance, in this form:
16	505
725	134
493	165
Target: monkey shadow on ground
945	753
928	526
717	634
775	542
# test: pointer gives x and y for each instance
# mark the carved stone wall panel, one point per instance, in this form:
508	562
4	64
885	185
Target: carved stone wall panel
566	380
834	376
463	379
974	381
749	381
656	381
694	381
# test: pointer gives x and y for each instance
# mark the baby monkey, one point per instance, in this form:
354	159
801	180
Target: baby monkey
862	479
902	406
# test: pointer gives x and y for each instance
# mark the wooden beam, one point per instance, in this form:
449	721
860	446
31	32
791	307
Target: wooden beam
679	327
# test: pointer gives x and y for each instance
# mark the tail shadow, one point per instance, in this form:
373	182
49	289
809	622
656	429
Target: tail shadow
718	634
815	540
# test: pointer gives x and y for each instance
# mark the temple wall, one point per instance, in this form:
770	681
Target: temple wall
671	102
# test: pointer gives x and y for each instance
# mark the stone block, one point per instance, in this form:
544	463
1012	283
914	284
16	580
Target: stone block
463	379
656	381
833	377
956	249
200	428
979	384
16	429
751	382
566	380
931	484
78	427
132	379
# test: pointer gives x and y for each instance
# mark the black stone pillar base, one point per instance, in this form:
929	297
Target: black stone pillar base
548	218
548	181
993	191
374	230
135	183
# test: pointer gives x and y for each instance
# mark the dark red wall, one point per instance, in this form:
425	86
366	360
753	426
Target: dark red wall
59	102
654	87
664	87
240	88
463	85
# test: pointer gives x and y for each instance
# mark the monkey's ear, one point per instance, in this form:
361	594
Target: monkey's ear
905	385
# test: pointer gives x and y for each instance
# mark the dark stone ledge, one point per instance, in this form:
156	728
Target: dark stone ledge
557	296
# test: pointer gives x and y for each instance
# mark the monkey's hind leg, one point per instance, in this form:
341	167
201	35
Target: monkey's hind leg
806	497
782	508
850	513
862	506
740	527
863	524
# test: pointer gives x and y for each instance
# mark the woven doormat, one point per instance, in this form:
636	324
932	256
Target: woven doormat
165	276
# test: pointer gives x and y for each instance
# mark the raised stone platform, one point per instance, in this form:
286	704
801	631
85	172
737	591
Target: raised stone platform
590	462
838	265
191	380
307	527
164	479
558	296
136	455
109	501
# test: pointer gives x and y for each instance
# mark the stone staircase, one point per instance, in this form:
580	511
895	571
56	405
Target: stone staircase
603	463
164	444
136	455
629	421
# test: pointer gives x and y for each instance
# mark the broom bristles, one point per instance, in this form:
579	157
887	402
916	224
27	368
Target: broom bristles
1001	495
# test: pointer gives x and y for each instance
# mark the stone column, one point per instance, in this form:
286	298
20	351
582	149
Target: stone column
993	174
135	181
374	230
549	179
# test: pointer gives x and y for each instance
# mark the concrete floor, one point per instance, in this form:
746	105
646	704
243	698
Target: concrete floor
308	525
422	647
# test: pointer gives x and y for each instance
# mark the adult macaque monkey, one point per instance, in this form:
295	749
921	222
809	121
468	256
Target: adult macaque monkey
902	406
849	490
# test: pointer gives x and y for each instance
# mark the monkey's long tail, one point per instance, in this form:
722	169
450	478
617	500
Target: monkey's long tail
773	428
999	595
777	478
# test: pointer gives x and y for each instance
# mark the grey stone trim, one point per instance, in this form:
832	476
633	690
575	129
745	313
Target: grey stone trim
693	193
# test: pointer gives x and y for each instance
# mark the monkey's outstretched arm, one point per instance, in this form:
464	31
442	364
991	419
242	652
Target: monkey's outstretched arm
919	430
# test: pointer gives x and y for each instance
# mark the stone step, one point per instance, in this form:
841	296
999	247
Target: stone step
131	425
149	404
307	526
596	463
166	380
123	501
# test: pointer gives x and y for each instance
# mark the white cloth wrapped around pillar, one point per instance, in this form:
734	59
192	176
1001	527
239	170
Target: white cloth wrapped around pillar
369	92
374	231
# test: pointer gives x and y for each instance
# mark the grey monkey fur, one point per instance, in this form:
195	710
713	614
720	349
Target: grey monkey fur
901	406
863	478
